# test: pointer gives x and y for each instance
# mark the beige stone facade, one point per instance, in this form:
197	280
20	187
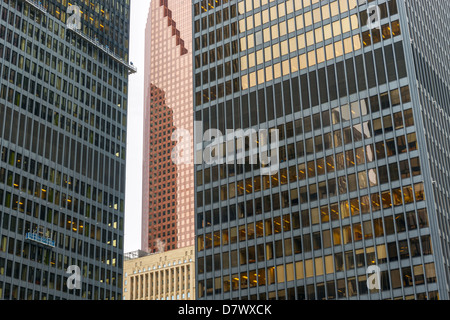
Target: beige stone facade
160	276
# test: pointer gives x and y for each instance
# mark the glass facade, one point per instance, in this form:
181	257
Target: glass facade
352	189
63	119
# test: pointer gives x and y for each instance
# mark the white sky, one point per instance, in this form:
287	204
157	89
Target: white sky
133	197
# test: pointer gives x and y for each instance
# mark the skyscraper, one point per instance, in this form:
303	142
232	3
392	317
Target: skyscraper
168	187
356	92
63	116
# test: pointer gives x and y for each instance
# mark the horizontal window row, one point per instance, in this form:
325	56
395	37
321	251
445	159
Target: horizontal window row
47	280
339	161
289	6
337	210
28	250
17	292
105	32
216	118
42	92
353	286
40	189
73	127
337	236
343	261
326	84
76	225
49	58
321	166
206	5
303	61
301	21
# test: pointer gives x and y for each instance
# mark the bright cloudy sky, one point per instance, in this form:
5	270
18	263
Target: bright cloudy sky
139	12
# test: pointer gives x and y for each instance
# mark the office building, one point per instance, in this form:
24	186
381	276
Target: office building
362	176
160	276
63	116
168	186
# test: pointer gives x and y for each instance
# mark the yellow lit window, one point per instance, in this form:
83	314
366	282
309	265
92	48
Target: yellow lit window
291	25
346	25
336	28
281	10
256	4
259	57
334	8
243	42
289	6
354	21
286	68
269	73
283	29
299	20
266	34
244	82
265	16
310	38
251	41
320	55
251	60
308	19
352	4
329	264
277	70
292	44
316	15
250	23
261	76
319	266
268	54
338	49
273	13
242	25
311	58
290	272
348	46
276	50
309	268
303	62
248	5
244	63
257	20
252	77
343	4
299	264
284	48
319	35
274	31
280	273
294	64
357	42
241	7
325	12
327	32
